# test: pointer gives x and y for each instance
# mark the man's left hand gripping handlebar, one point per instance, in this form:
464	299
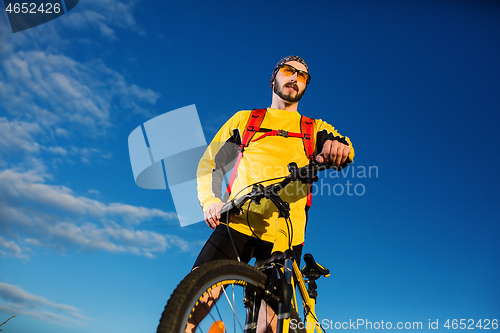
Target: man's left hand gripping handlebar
212	215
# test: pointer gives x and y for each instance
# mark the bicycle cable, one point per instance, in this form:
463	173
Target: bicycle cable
248	209
288	220
248	220
307	311
231	238
257	183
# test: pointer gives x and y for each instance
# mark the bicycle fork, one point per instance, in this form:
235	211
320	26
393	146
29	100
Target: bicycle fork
279	290
285	306
252	304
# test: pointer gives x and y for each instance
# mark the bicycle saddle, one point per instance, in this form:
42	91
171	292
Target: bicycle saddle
312	268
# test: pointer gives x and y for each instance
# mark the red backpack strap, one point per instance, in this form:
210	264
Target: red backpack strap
307	129
252	127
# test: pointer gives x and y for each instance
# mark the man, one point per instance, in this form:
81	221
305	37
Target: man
252	234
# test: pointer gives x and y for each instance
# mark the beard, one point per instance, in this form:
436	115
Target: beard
288	96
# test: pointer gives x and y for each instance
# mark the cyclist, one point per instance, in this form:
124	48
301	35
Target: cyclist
265	157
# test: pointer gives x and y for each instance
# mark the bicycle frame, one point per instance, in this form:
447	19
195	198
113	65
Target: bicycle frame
289	274
274	285
311	325
284	278
290	266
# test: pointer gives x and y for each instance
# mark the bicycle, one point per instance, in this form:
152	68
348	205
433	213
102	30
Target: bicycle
243	287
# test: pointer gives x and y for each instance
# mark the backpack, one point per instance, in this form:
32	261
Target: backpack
253	126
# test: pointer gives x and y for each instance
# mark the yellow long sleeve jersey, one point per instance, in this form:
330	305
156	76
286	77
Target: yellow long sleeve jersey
263	159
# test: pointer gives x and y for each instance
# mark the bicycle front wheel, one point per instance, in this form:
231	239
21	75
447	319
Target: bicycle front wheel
215	297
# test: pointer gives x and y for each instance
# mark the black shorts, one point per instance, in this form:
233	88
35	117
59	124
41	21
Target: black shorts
219	246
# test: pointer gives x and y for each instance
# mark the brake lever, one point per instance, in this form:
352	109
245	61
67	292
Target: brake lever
230	207
234	206
306	174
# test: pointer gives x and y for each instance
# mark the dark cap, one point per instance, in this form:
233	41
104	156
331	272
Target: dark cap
284	61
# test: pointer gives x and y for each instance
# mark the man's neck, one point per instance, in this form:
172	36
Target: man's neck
279	103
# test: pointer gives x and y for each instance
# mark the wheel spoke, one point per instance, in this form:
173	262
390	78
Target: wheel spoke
235	316
196	303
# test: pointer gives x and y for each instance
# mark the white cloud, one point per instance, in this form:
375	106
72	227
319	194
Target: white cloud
96	18
51	103
59	96
12	248
18	135
73	93
15	300
29	186
52	99
104	16
34	213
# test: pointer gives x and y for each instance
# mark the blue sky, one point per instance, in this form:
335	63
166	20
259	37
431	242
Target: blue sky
414	84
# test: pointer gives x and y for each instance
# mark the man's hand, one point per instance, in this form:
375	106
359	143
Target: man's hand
334	152
212	215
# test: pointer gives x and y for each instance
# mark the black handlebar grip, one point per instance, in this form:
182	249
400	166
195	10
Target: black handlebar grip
226	209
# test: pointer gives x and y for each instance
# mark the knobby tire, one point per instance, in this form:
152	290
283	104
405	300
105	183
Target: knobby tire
198	282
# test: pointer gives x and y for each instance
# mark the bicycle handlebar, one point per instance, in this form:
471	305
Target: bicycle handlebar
306	174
